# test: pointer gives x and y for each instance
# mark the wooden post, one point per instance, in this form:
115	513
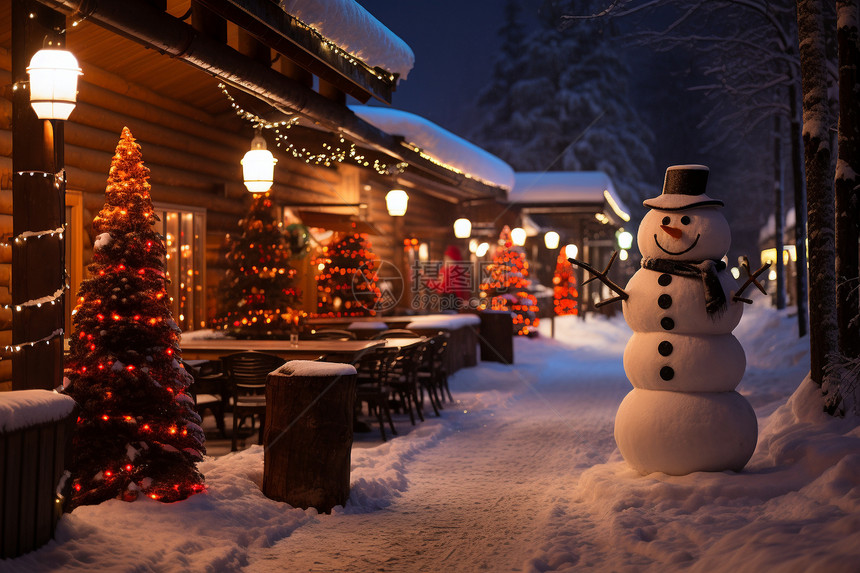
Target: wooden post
308	434
37	263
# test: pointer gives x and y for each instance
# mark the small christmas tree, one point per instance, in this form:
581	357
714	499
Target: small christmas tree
137	431
346	278
504	283
564	291
257	297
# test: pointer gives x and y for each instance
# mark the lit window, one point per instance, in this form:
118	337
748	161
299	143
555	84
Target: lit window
184	231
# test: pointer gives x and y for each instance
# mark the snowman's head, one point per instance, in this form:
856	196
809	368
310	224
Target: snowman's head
695	234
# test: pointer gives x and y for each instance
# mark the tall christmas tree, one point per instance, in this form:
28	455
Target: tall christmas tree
564	293
346	278
257	298
504	283
137	431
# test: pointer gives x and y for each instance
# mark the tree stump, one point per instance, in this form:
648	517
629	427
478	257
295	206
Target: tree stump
497	340
308	434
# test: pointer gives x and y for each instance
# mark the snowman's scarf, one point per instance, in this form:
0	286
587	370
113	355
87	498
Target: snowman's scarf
715	298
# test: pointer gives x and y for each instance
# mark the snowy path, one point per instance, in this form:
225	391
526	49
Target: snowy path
480	498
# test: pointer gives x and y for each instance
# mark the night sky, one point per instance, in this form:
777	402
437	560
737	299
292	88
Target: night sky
455	43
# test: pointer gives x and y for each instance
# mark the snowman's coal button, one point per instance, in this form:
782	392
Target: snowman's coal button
664	279
665	301
665	348
667	323
666	373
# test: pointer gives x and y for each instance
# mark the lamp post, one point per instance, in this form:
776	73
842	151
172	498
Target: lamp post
258	165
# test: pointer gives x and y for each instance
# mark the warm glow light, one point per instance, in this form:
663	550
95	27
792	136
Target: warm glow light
571	250
396	201
518	236
482	249
625	239
551	240
462	228
624	254
615	206
53	83
771	276
423	252
258	166
473	245
736	273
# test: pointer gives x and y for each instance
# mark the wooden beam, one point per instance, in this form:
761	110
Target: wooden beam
37	264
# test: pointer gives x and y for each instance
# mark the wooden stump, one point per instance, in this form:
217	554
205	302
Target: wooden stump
497	340
308	434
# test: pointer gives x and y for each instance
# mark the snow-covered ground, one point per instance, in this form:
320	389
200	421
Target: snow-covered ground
522	475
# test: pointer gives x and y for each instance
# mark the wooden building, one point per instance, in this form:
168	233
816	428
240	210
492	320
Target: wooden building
585	210
185	76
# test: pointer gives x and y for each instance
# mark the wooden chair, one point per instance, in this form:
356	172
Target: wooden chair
333	334
396	333
209	393
371	385
247	372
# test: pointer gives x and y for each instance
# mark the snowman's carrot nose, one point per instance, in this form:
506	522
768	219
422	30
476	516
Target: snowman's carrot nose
673	232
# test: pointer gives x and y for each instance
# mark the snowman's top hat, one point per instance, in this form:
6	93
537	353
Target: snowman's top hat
683	188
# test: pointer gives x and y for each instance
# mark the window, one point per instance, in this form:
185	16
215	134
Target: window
184	231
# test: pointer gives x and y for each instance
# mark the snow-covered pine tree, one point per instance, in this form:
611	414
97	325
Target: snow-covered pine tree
504	285
137	431
564	293
257	298
346	279
558	101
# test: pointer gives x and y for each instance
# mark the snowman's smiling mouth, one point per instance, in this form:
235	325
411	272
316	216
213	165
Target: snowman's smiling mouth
679	252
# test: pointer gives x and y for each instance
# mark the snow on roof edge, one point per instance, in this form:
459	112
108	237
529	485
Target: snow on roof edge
353	29
439	144
567	186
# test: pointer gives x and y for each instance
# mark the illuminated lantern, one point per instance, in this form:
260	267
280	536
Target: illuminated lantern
396	201
462	228
473	245
258	166
53	83
482	249
518	236
571	251
551	240
625	239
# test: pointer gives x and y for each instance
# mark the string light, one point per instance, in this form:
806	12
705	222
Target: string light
14	348
344	150
26	235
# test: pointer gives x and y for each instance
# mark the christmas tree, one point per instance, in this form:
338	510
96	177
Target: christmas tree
137	431
346	279
257	296
564	291
504	283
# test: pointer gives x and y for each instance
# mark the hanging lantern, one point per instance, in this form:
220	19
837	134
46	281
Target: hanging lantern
258	166
518	236
473	245
551	240
396	201
570	251
482	249
625	239
53	83
462	228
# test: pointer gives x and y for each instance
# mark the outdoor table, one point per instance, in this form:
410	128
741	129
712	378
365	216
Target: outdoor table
333	350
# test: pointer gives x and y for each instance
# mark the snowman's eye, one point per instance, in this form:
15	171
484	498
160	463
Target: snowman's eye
685	220
666	220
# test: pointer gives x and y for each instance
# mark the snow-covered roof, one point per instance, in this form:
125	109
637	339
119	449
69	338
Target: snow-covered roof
564	187
439	144
353	29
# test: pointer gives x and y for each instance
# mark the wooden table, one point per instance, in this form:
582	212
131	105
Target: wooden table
333	350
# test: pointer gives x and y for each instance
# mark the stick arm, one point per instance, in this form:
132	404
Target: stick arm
621	294
751	280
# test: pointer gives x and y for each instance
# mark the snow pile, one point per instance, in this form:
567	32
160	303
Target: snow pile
315	368
25	408
355	30
440	144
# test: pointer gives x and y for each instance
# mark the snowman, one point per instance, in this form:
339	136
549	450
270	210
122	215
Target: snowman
683	414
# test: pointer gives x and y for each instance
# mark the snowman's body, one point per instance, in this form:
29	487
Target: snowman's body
683	414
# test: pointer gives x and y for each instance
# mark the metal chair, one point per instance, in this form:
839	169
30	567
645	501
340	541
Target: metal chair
371	385
247	372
